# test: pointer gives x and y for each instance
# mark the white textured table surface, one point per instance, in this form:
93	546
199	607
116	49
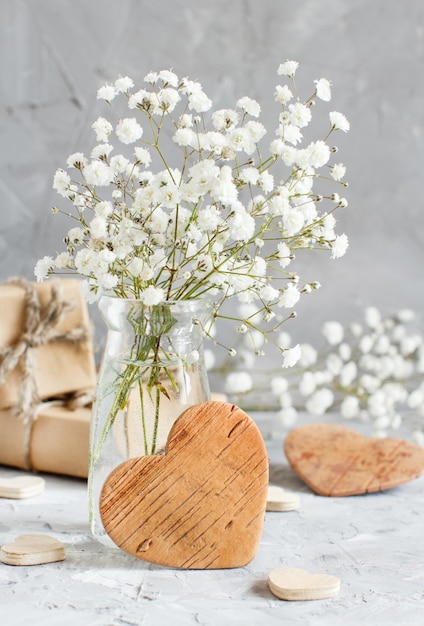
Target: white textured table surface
373	543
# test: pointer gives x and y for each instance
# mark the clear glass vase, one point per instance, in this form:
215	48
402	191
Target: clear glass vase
152	370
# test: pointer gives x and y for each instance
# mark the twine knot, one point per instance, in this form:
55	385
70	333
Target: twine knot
40	329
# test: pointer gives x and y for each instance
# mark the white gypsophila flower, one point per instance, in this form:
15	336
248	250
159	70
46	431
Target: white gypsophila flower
152	296
43	268
288	68
366	344
249	175
249	106
323	89
225	119
98	174
61	182
283	94
102	128
315	155
168	77
307	384
77	160
299	114
293	222
339	121
333	332
334	364
266	182
185	121
168	99
103	209
279	385
350	407
256	131
128	130
101	151
291	356
410	344
287	416
241	226
119	163
284	254
199	102
289	297
348	374
309	355
268	293
64	260
98	227
76	235
107	92
239	382
285	400
339	246
372	317
320	402
338	171
124	84
142	156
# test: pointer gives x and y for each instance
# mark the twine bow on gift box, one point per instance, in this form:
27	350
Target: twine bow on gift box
40	328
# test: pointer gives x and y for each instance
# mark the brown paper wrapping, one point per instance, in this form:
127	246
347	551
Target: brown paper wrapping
59	440
60	367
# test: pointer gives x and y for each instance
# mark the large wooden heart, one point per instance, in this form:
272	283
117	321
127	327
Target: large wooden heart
336	461
202	504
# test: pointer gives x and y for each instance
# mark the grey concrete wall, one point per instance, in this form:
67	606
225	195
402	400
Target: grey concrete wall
54	54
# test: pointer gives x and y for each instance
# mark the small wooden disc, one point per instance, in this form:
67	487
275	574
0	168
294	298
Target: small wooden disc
293	583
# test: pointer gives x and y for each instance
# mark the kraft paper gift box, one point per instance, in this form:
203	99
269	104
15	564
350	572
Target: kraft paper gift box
59	366
57	441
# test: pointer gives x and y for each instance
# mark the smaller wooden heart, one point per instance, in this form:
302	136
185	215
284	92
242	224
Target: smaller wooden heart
202	504
336	461
20	487
32	549
293	583
281	500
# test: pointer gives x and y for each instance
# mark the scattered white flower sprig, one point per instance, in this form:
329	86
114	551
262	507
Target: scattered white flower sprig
189	207
372	371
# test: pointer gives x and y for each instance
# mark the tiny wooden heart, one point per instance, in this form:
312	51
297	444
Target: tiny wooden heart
336	461
293	583
202	504
20	487
32	549
281	500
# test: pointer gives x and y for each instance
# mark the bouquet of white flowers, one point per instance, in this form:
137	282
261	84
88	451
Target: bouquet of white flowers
224	222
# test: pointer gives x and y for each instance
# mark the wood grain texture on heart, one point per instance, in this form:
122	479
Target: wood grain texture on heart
202	504
32	549
337	461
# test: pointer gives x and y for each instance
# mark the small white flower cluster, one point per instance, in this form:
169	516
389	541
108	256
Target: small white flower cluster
372	371
224	222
